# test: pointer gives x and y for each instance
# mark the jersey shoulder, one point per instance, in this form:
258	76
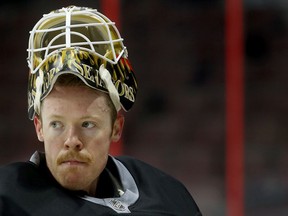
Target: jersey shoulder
143	170
20	175
159	189
12	172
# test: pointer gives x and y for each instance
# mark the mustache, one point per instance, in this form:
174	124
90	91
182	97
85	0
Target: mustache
73	156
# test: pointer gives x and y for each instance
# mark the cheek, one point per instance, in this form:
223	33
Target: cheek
52	147
99	145
50	154
51	158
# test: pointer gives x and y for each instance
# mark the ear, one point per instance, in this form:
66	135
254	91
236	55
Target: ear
117	128
38	128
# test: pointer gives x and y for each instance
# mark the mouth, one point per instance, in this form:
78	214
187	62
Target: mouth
73	163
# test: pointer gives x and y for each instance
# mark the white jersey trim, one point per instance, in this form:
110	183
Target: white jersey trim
129	197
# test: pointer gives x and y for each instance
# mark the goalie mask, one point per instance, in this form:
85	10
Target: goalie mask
83	42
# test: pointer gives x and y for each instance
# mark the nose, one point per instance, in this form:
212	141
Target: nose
73	140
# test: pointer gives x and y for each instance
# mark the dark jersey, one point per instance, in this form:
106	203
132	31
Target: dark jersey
126	187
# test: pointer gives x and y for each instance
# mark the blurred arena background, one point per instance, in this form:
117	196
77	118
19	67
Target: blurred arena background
178	123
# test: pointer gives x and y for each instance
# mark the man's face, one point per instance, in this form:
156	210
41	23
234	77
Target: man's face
76	129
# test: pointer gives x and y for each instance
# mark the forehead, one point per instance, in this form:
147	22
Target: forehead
76	98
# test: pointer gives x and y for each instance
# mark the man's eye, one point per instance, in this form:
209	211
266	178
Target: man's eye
88	125
55	124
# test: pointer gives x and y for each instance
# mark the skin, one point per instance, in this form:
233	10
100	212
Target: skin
76	128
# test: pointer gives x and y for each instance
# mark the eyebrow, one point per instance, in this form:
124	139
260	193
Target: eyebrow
55	116
96	117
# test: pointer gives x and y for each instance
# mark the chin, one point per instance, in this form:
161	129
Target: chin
75	181
74	185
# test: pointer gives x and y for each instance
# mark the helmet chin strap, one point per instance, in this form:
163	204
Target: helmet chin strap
37	100
113	93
